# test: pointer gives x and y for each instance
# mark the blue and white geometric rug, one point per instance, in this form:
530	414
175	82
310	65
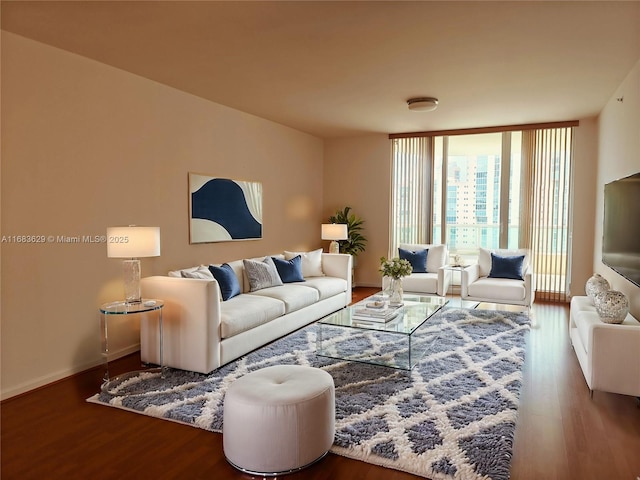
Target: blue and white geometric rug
452	416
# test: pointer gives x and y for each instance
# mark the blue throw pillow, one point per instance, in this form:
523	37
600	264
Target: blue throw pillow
506	267
289	270
227	280
418	259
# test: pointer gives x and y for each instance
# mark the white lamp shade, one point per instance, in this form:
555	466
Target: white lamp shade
334	231
133	242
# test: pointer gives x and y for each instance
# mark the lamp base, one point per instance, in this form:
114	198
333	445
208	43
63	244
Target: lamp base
334	247
131	270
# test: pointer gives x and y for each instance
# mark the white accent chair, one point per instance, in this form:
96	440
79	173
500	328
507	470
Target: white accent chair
477	286
436	280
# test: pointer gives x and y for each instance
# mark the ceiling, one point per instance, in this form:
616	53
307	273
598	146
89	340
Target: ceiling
347	68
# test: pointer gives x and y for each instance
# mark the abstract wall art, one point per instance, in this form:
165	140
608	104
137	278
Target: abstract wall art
222	210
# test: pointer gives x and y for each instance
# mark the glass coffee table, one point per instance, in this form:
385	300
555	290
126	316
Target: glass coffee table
398	343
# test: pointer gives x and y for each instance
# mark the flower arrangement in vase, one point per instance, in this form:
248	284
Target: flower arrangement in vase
395	269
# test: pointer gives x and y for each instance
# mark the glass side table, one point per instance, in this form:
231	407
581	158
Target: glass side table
122	308
455	301
452	269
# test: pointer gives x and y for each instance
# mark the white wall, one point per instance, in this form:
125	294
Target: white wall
86	146
618	156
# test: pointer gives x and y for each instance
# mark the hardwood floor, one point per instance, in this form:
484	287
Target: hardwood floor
562	433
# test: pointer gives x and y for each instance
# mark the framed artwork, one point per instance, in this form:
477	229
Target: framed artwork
223	210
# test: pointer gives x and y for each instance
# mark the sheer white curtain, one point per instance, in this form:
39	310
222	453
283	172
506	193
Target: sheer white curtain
410	192
546	208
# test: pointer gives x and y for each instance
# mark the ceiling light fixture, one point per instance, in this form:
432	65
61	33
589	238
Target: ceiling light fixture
422	104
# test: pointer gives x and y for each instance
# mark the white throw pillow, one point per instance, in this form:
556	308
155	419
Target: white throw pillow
201	271
311	262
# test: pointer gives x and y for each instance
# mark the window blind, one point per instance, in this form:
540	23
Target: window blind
411	192
547	157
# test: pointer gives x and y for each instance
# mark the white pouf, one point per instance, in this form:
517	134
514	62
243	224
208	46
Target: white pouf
279	419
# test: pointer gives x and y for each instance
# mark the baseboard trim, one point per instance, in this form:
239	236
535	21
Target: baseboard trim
45	380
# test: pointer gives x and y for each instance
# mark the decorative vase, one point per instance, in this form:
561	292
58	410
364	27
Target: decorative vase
612	306
395	291
595	285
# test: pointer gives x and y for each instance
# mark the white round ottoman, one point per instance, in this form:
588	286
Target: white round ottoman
278	419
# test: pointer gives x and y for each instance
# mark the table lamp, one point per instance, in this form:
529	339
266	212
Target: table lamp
131	243
334	232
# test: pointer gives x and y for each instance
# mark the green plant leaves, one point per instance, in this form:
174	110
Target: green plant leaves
356	242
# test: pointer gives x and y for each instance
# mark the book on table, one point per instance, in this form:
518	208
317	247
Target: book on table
376	314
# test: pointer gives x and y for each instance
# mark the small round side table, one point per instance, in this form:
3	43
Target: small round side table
123	308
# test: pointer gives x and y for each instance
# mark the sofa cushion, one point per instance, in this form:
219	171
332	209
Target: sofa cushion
417	259
497	289
436	258
294	296
506	267
327	286
584	322
261	274
227	280
289	270
421	283
247	311
311	262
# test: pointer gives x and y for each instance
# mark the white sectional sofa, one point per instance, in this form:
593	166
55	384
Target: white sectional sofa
609	354
201	332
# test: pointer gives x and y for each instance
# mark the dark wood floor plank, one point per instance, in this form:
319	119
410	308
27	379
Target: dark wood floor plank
53	433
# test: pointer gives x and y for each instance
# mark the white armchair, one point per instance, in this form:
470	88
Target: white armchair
478	286
436	279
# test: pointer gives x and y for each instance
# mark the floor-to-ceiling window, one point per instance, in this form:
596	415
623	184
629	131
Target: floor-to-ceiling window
481	175
491	189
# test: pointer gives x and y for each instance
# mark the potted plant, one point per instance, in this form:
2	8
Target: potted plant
356	242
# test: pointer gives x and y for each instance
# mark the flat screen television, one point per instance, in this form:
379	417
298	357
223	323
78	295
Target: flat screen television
621	229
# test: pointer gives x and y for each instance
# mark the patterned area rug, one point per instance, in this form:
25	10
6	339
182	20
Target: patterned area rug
452	416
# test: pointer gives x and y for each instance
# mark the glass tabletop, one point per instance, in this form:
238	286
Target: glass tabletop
416	309
123	308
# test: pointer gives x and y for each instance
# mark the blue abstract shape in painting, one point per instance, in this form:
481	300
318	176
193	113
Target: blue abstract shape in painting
222	201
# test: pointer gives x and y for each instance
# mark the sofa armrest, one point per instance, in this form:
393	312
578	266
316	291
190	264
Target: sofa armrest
529	286
468	275
339	265
614	355
191	323
444	279
579	304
